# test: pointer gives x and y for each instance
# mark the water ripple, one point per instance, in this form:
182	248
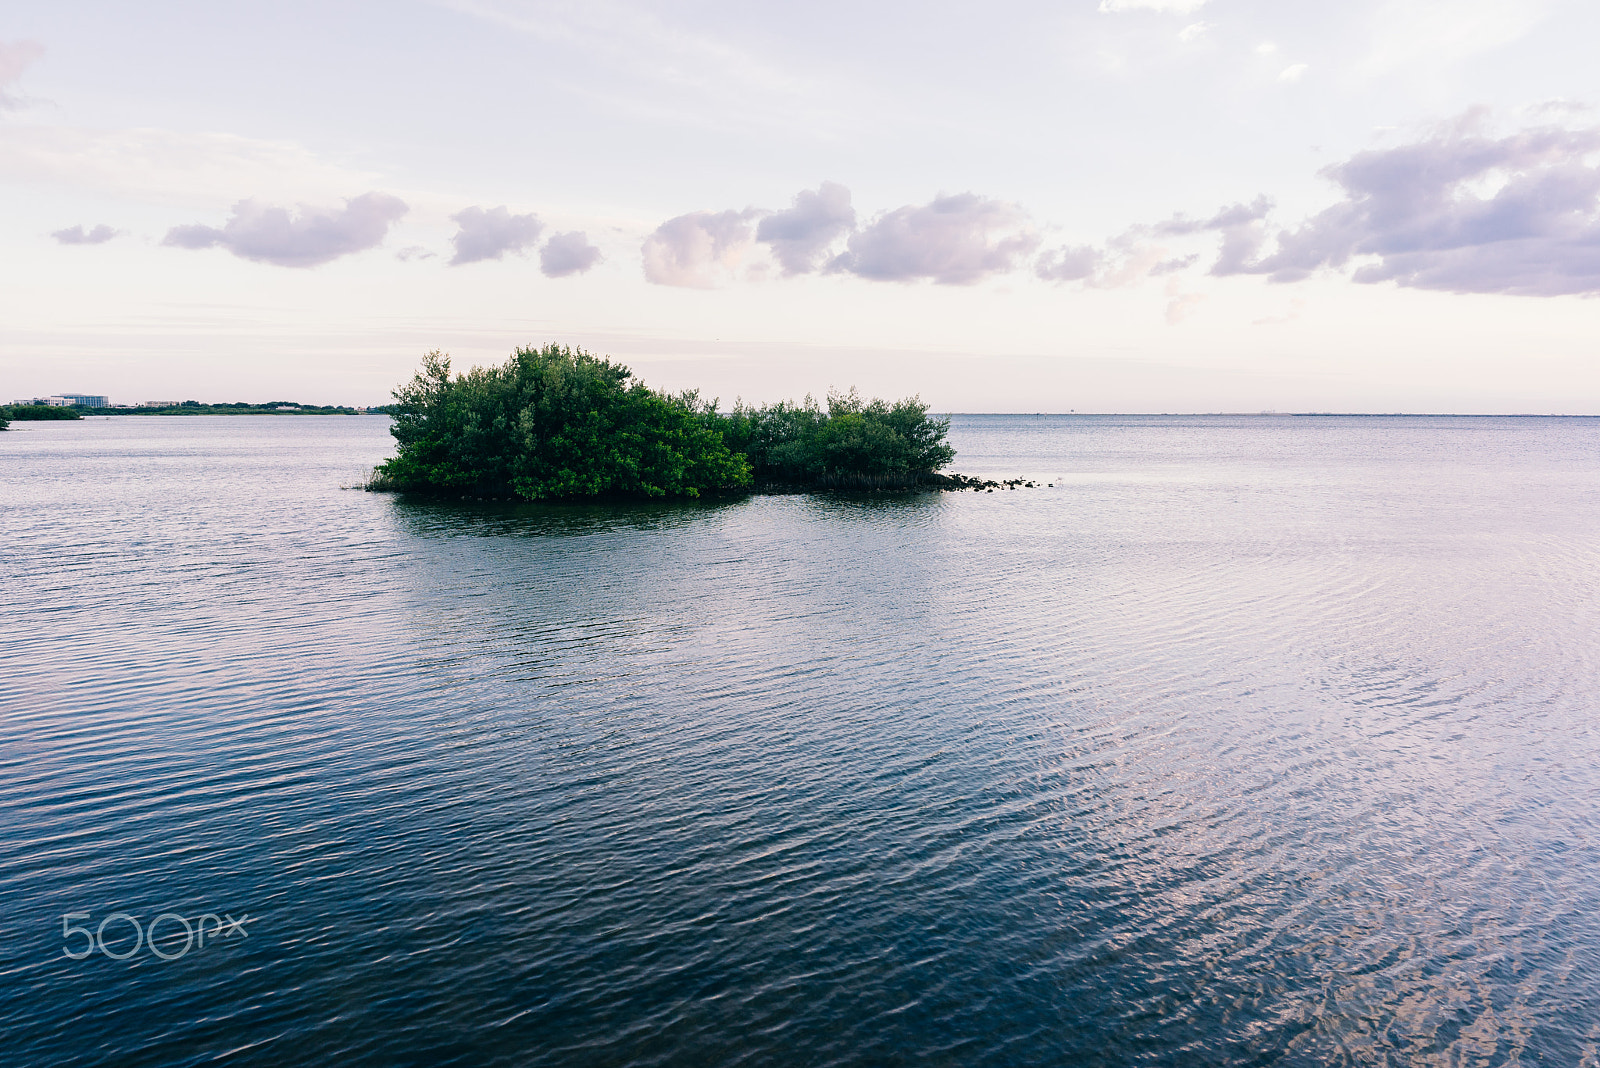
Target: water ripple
1252	741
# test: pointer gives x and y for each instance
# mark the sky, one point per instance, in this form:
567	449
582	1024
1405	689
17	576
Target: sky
1077	205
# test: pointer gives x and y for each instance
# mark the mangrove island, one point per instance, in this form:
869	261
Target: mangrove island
557	422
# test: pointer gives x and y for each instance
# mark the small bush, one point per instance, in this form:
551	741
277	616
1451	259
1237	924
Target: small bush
855	444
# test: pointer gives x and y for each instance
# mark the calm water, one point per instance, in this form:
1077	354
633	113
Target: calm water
1255	741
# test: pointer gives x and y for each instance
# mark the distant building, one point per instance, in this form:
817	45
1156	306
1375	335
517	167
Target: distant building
48	402
158	404
86	400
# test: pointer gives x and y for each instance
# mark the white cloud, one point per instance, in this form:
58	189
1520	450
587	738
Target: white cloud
305	238
1293	72
1165	7
697	249
567	254
1193	32
488	234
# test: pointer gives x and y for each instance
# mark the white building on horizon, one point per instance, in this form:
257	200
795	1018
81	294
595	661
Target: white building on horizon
68	400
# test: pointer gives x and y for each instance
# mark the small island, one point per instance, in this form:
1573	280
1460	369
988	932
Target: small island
558	423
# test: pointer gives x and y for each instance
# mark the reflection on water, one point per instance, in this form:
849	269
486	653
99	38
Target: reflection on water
1254	741
424	517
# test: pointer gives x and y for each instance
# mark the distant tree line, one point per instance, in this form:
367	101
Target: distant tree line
558	422
27	412
193	407
189	407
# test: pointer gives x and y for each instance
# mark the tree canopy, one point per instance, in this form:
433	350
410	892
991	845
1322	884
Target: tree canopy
554	422
558	422
855	443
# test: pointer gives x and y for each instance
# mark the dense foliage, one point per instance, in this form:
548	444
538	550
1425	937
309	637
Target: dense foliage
855	444
554	422
558	422
21	412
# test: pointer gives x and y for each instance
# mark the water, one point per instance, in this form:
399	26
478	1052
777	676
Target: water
1253	741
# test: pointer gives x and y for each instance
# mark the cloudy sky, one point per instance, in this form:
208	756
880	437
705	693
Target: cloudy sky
1091	205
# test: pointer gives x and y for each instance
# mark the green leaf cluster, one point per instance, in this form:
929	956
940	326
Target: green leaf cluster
554	422
855	443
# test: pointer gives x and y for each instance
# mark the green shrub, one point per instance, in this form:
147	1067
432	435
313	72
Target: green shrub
854	444
554	422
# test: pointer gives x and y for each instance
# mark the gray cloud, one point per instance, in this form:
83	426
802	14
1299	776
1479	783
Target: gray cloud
1130	257
801	235
1070	263
1459	211
488	235
1242	226
954	240
77	235
306	238
1140	251
568	253
15	57
690	249
1225	219
1175	264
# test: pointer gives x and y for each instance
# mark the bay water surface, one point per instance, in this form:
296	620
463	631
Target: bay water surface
1250	741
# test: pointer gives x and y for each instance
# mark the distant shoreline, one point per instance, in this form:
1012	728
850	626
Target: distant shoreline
229	409
108	414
